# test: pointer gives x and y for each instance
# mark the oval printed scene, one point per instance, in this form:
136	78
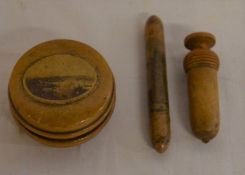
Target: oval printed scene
60	77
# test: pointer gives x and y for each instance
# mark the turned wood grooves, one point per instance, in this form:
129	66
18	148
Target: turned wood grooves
201	66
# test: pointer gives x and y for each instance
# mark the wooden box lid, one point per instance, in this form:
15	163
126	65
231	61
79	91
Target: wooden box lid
61	86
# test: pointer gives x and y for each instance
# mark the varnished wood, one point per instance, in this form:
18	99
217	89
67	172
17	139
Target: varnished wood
201	66
157	84
62	92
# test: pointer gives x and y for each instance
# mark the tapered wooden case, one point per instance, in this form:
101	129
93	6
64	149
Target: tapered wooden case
62	92
201	66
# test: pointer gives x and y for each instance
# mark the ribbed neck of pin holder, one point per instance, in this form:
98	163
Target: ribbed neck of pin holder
200	56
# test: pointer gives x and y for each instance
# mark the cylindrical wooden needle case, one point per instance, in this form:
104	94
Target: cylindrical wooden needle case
201	66
157	84
62	92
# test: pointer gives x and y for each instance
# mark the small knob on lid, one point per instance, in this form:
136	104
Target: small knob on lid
199	40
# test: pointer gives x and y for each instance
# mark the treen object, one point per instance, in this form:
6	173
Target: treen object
201	66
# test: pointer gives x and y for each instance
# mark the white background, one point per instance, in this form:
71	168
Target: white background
115	28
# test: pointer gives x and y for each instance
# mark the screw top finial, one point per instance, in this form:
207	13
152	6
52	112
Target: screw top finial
199	40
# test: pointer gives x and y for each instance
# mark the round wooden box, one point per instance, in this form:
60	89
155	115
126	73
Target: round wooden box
62	92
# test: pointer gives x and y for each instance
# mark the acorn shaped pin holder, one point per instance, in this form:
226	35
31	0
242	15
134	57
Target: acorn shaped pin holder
201	66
